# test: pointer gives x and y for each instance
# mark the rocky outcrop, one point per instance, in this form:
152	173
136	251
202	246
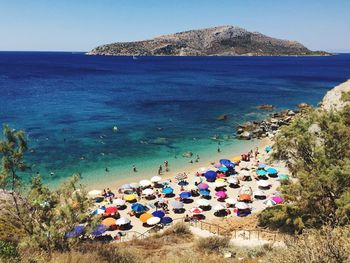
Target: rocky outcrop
265	107
216	41
334	99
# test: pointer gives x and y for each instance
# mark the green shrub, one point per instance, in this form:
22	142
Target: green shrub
8	250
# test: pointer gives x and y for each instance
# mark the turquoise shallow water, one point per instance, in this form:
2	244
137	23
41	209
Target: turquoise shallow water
163	106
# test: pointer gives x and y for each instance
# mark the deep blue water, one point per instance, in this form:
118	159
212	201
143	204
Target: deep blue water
68	103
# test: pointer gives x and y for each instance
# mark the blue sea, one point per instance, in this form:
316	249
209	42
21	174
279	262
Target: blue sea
68	104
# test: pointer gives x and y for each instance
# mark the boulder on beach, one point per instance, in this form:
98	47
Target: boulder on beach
245	135
303	105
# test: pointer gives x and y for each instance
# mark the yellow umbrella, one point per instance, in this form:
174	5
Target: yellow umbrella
236	159
109	221
220	180
144	217
130	197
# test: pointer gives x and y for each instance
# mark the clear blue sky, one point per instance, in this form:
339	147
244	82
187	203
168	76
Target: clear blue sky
79	25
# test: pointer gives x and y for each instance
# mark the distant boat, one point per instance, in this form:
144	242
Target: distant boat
134	57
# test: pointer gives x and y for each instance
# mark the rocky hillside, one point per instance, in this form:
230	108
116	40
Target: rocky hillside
216	41
337	98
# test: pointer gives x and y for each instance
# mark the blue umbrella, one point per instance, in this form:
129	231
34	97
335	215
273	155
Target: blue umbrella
168	190
166	220
271	170
204	192
99	211
76	232
99	230
261	172
268	148
223	169
158	213
261	166
225	162
210	176
138	207
182	183
177	204
185	195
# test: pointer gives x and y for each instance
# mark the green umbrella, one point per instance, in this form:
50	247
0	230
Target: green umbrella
283	177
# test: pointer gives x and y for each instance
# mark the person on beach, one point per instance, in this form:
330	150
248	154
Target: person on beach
166	164
219	150
256	152
134	168
160	170
107	170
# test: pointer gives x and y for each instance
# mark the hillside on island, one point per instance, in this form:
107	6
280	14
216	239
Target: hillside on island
215	41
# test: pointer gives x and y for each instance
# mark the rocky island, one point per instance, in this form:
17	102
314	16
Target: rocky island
215	41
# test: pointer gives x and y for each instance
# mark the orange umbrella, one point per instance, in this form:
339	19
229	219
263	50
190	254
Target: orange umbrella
144	217
236	159
109	221
245	197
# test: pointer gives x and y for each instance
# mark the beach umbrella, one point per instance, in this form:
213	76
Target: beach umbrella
245	173
144	217
99	211
94	193
245	197
219	207
210	176
203	202
167	190
182	183
148	191
130	197
177	204
245	165
196	210
277	199
259	193
283	177
153	221
185	195
204	192
144	183
263	183
230	201
123	221
180	177
268	148
224	162
99	230
203	186
137	207
223	169
109	221
125	186
161	200
158	213
76	232
156	179
271	170
236	159
269	203
219	184
111	210
241	206
134	185
261	166
119	202
246	190
261	172
232	180
221	194
203	170
166	220
221	180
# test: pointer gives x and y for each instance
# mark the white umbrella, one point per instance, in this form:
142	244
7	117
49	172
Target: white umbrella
241	206
148	191
203	170
263	183
177	204
230	201
134	185
144	183
259	193
219	207
123	221
269	203
245	173
99	211
95	193
119	202
203	202
219	184
156	179
153	221
243	165
232	180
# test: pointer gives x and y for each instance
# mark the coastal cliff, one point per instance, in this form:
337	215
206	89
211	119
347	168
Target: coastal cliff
216	41
334	99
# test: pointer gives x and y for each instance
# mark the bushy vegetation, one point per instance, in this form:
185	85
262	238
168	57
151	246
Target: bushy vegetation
213	244
178	229
316	147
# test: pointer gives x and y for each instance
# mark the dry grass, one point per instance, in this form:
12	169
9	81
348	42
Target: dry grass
214	244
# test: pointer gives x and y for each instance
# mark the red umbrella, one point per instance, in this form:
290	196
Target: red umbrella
196	210
111	210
